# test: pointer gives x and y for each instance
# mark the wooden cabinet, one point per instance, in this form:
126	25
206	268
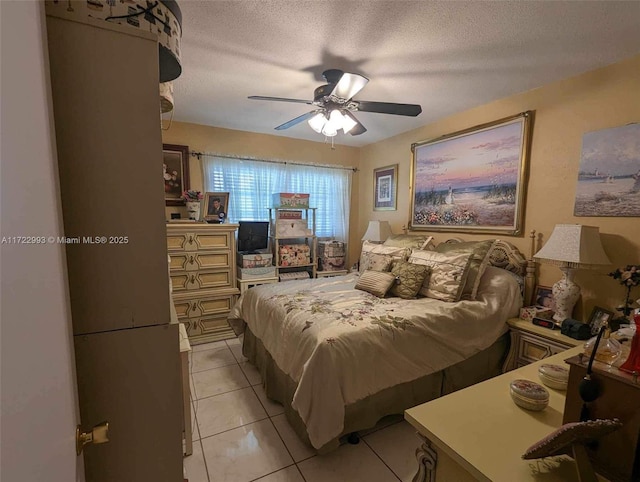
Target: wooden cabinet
104	87
530	343
203	276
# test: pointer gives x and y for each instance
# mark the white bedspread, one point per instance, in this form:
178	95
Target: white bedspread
341	345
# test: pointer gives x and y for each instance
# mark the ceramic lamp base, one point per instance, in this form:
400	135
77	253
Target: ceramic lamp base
565	294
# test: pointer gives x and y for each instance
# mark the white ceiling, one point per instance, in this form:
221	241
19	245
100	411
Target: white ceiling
446	56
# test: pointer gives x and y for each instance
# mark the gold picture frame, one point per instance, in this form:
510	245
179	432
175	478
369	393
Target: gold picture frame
216	206
385	188
473	180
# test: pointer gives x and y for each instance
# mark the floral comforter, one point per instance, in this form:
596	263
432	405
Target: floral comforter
341	344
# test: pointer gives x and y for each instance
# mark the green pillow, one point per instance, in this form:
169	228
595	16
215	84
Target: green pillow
480	251
409	278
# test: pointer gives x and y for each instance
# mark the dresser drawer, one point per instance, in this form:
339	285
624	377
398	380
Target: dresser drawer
195	261
194	241
205	326
532	348
193	307
198	280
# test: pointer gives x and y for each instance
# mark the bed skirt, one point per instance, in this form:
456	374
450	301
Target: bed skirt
365	413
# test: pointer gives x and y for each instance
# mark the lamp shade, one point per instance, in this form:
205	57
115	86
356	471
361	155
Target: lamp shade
574	246
166	97
377	231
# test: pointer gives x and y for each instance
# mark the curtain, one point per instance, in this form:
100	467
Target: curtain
250	185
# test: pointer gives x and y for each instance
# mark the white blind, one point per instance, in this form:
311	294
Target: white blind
250	185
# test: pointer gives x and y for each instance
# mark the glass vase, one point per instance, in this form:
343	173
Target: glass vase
608	350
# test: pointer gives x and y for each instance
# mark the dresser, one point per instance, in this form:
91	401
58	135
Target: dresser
203	275
478	433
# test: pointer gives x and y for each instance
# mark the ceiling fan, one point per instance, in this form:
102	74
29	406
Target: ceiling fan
336	105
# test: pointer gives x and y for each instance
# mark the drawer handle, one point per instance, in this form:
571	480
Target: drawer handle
193	278
195	305
191	239
191	259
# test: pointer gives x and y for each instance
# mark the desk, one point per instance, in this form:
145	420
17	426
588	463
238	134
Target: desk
478	433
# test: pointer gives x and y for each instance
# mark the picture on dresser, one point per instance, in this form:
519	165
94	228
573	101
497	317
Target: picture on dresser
175	171
216	205
544	298
599	316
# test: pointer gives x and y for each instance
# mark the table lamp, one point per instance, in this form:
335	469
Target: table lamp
571	246
377	231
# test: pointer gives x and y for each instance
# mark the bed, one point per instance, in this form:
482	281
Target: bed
339	359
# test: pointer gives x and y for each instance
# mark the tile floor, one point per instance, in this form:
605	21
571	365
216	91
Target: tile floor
240	435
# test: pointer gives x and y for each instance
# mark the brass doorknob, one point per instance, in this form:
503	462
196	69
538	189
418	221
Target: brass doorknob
98	435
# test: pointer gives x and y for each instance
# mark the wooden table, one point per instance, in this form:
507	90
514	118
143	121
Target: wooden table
478	433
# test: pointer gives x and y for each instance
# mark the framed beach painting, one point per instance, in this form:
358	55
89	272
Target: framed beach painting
472	180
385	186
609	173
175	171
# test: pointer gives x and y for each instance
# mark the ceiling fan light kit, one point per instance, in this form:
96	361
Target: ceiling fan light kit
329	123
336	104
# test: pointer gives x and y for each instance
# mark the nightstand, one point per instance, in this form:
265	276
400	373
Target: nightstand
245	284
530	343
328	274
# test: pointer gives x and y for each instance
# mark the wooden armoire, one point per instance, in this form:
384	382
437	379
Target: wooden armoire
104	81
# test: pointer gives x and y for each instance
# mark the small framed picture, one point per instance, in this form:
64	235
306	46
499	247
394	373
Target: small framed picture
216	206
385	185
544	298
599	316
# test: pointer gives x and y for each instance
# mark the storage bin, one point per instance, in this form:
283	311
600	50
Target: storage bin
290	200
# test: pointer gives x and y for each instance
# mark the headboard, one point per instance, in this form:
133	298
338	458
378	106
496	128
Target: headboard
507	256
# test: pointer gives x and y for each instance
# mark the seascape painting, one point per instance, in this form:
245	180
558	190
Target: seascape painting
472	180
609	174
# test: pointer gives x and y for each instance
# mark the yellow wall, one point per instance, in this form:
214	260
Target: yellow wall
564	111
240	143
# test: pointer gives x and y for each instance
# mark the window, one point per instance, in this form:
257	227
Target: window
252	183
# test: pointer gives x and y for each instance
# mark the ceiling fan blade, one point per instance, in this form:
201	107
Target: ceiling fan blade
349	85
389	108
358	128
279	99
298	119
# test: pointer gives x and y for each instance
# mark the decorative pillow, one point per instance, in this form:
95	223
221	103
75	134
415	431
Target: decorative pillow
394	252
408	241
375	282
375	262
409	278
480	252
448	273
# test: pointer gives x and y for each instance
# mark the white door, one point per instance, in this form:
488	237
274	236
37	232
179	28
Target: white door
38	380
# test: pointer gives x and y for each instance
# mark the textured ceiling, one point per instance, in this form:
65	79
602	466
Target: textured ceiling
446	56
